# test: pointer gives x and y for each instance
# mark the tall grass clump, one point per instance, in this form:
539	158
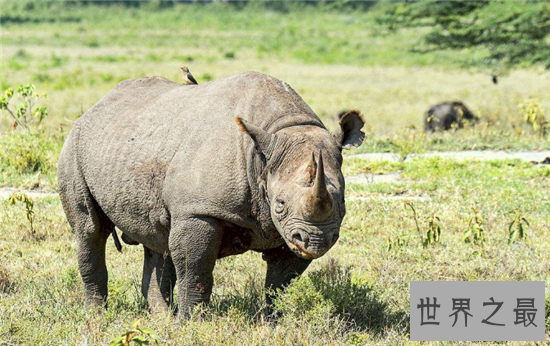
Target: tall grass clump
29	159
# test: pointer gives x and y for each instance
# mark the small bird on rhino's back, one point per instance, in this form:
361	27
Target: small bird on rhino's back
187	76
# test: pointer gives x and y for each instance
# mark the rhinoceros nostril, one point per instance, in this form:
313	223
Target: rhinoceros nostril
299	238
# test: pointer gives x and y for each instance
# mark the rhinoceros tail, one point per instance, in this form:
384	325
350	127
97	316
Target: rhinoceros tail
117	241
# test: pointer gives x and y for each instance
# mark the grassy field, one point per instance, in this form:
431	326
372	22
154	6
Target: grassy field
356	294
335	58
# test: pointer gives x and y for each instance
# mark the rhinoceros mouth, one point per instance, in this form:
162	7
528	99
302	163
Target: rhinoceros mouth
306	244
299	251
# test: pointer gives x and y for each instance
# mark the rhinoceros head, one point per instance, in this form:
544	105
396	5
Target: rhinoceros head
303	182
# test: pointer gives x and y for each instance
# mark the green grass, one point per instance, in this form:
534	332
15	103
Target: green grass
310	34
29	160
335	59
356	294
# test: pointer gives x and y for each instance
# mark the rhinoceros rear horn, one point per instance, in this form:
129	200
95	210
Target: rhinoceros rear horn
263	140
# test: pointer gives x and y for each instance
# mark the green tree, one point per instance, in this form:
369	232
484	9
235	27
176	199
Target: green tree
514	33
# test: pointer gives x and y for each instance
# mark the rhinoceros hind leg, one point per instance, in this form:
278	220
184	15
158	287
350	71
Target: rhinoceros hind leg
92	228
89	223
159	279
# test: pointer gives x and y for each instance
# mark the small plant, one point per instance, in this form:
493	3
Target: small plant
25	112
517	232
407	143
433	234
229	55
410	205
397	242
16	197
533	114
136	335
207	77
475	231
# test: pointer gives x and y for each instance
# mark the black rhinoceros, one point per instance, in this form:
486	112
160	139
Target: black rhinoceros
199	172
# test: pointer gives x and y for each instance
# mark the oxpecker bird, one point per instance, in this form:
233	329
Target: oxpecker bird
187	76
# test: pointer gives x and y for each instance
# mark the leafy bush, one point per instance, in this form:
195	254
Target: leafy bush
21	197
25	114
333	299
29	152
302	301
533	114
136	335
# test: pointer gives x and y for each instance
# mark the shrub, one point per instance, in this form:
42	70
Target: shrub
29	159
29	152
25	114
136	335
533	114
302	301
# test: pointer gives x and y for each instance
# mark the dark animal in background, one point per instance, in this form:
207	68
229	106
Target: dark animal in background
444	115
495	79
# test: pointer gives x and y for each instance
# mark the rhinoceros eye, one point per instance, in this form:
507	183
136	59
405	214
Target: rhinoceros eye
279	206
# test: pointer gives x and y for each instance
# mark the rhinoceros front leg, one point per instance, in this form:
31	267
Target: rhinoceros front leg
282	266
194	245
159	279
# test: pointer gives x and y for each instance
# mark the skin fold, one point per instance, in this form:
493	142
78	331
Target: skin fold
199	172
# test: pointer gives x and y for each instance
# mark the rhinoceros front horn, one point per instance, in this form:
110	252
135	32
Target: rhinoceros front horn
320	186
263	140
318	206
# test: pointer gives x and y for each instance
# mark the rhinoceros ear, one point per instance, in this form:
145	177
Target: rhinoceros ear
350	132
263	140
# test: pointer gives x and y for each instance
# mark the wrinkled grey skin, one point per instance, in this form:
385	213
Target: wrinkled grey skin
442	116
175	170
